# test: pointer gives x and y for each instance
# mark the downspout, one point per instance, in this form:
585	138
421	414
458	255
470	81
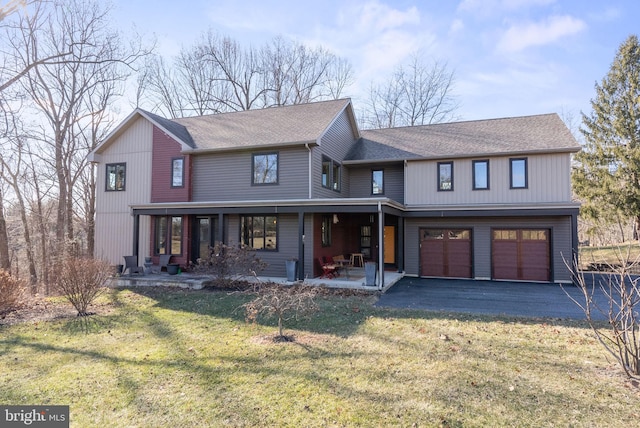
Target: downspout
309	168
380	247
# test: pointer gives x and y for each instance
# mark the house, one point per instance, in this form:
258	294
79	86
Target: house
485	199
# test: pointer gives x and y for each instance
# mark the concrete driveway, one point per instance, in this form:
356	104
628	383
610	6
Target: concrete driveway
489	297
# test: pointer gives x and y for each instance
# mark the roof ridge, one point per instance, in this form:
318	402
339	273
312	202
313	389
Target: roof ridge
254	110
492	119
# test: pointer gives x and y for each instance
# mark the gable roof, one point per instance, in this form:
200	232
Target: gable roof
274	126
516	135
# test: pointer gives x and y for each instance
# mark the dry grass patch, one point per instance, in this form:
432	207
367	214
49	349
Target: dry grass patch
188	358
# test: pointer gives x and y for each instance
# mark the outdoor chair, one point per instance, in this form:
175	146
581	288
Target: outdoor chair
328	270
164	261
131	264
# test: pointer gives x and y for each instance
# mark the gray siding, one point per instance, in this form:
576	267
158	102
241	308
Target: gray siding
360	182
287	244
227	176
481	232
335	144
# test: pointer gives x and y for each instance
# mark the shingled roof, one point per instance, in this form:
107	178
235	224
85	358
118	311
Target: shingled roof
527	134
278	126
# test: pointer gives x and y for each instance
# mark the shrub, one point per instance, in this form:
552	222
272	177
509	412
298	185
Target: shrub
616	298
11	292
227	263
81	280
282	302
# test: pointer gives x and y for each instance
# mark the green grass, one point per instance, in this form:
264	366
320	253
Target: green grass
176	358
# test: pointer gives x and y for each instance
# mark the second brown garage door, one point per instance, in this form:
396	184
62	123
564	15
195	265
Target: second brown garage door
521	254
445	253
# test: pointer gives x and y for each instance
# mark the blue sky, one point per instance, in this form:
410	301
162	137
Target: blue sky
510	57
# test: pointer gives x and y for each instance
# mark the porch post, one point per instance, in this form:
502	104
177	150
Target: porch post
220	233
380	247
136	234
400	237
300	245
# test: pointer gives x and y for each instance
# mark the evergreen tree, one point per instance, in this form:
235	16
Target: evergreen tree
606	175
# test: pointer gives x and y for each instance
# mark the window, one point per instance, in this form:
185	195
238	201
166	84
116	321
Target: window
480	175
265	168
326	230
335	177
259	232
116	174
518	173
331	173
168	235
445	176
377	182
177	172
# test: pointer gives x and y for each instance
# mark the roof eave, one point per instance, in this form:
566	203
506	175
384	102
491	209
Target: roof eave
252	147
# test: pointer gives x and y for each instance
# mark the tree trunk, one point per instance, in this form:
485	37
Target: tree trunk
5	262
33	276
636	227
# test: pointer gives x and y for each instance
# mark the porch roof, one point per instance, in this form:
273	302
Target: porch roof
352	205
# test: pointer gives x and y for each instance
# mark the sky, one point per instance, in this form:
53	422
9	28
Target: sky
509	57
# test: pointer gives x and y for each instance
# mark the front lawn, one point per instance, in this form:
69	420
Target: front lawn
178	358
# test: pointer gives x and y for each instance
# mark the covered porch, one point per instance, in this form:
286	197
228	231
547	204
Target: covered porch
313	232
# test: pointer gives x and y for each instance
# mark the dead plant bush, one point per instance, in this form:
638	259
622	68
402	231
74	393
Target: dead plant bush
81	280
616	298
11	292
282	302
229	263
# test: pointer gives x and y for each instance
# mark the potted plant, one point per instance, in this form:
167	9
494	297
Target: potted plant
172	268
292	269
370	269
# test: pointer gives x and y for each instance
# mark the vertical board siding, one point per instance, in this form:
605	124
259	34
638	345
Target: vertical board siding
227	176
360	184
561	239
549	180
165	149
113	216
335	144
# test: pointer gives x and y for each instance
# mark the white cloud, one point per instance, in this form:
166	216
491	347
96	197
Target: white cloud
487	6
375	16
520	37
456	26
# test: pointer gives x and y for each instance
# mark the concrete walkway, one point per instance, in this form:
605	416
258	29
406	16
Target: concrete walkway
524	299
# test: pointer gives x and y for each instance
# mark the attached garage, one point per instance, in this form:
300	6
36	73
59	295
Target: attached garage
521	254
445	253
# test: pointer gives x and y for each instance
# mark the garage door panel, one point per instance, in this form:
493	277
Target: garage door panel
521	254
446	253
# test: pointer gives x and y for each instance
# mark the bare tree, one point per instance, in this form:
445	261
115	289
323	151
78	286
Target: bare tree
614	299
97	62
12	171
219	75
416	94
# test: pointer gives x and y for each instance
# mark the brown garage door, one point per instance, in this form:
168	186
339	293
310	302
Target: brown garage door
521	254
445	253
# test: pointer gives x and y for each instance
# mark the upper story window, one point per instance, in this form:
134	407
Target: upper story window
377	182
259	232
518	173
331	174
116	175
445	176
265	168
481	174
177	172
